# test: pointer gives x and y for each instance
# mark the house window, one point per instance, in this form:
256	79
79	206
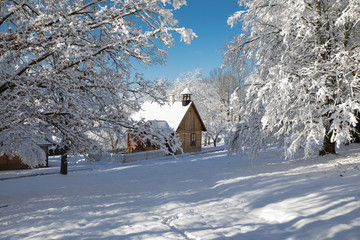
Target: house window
193	139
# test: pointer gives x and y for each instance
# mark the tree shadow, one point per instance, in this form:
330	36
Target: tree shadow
211	198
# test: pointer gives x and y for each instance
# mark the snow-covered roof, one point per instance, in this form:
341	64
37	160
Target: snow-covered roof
173	114
186	91
159	123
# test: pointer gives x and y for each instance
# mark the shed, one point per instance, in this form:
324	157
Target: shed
183	117
7	163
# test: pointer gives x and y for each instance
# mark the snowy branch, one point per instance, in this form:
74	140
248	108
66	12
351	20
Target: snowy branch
66	67
304	75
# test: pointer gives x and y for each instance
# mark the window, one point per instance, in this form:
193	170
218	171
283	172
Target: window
193	139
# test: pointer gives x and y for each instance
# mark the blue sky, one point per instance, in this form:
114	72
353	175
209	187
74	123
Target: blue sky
208	19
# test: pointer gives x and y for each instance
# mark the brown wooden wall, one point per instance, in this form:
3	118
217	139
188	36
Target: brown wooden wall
16	163
190	124
135	145
11	164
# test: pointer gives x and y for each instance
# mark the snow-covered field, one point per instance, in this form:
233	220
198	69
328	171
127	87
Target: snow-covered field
205	196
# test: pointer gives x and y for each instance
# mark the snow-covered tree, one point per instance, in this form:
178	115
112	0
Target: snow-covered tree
227	83
66	67
305	89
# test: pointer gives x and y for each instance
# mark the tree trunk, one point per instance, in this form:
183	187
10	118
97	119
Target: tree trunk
215	140
323	35
64	161
64	165
356	133
328	146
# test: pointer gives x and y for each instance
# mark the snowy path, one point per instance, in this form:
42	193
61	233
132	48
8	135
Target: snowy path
206	196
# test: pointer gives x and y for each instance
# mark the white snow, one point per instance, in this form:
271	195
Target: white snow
173	114
186	91
203	196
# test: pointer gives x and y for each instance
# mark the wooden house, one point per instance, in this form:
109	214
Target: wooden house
183	117
7	163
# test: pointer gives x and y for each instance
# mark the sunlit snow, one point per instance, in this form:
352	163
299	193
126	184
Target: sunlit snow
173	114
202	196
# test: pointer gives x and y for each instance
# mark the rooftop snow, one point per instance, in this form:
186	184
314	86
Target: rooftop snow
173	114
186	91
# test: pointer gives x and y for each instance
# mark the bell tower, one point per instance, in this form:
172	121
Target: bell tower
186	96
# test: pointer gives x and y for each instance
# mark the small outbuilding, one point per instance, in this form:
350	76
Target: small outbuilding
183	117
7	163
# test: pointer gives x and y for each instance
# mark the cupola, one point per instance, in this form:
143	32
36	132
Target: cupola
186	96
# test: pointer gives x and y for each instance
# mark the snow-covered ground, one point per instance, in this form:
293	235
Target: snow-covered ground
205	196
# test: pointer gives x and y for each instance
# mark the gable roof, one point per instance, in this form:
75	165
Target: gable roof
173	114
